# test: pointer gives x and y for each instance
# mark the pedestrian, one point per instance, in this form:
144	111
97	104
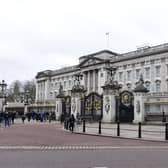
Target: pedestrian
62	118
23	118
71	123
6	118
13	115
50	117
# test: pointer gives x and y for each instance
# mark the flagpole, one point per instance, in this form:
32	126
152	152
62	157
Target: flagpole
107	40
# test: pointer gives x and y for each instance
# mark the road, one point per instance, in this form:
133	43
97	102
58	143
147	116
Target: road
44	145
114	158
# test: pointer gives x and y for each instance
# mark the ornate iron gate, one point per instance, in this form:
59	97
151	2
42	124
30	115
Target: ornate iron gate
125	108
93	105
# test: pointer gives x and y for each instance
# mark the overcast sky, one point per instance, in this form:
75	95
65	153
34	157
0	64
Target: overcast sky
36	35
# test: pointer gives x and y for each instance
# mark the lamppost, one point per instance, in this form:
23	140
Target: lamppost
26	101
3	87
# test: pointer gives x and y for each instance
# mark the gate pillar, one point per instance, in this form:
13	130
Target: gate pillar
110	92
109	106
58	108
76	104
77	94
139	97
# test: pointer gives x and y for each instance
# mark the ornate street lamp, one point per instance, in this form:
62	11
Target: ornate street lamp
3	87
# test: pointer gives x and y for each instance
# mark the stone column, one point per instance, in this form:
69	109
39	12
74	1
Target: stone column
37	92
88	82
47	85
94	80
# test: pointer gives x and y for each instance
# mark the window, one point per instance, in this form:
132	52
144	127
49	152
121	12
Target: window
158	85
147	108
158	108
158	71
120	76
64	84
147	72
128	75
137	73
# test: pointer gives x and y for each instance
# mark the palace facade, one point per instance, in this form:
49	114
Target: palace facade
151	62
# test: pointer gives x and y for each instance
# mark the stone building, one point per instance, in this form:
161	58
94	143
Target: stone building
151	62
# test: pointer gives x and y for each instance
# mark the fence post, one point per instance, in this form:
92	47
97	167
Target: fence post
139	130
118	128
84	125
100	127
166	131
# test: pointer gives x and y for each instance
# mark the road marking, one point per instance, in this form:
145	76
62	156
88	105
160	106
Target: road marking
75	147
100	167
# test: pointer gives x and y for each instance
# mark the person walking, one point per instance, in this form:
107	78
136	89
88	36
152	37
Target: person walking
23	118
71	123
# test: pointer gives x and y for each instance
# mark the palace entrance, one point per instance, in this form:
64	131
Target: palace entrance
92	107
125	108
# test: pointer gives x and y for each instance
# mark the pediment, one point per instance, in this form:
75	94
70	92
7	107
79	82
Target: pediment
90	62
43	74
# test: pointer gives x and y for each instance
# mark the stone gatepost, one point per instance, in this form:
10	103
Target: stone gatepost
76	103
58	108
109	106
77	94
59	102
140	92
110	92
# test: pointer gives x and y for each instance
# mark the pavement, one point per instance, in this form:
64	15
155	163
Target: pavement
151	131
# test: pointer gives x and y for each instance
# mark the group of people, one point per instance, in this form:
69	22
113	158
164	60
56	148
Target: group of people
7	118
69	122
40	116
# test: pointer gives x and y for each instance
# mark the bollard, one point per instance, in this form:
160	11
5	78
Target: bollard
166	131
99	127
118	128
83	125
163	117
139	130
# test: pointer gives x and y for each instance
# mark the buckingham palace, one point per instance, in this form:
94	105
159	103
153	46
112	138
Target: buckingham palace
150	63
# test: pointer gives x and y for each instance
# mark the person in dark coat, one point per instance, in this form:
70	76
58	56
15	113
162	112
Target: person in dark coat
71	123
23	118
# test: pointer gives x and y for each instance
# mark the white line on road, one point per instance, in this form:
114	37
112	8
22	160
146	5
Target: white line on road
100	167
78	147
